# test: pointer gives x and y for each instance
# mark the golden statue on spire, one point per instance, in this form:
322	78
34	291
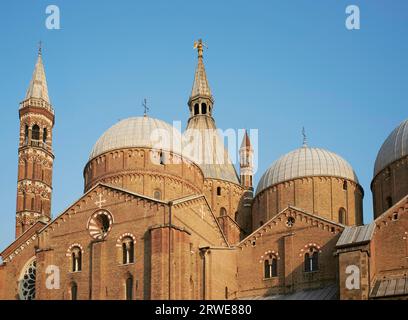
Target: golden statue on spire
199	45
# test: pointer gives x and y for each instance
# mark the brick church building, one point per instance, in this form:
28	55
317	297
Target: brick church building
164	215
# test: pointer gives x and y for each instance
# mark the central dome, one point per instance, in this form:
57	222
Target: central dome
138	132
306	162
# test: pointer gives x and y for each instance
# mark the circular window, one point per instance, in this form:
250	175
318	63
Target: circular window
290	222
100	224
27	282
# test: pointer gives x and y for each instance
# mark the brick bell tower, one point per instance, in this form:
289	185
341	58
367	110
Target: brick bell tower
35	155
246	155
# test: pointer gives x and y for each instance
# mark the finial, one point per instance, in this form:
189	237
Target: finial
199	45
39	48
304	137
145	107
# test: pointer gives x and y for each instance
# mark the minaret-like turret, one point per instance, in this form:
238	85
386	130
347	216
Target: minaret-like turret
246	154
35	155
201	100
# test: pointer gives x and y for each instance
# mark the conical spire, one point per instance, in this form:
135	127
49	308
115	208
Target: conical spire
246	142
201	89
38	85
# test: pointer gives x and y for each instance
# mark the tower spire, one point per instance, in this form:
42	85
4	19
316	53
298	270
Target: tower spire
38	88
246	153
201	100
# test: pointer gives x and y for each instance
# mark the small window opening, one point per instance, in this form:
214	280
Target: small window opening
218	191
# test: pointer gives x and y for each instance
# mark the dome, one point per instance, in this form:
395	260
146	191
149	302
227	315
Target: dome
394	148
138	132
306	162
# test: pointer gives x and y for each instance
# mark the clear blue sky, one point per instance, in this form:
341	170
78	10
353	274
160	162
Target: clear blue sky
272	65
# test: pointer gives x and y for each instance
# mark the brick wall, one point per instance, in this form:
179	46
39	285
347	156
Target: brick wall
391	182
323	196
288	244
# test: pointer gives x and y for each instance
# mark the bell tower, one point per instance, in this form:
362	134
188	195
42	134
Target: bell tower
35	155
246	154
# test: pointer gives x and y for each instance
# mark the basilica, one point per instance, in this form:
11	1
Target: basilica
166	215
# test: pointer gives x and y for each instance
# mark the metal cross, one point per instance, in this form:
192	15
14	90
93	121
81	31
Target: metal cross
39	47
304	137
146	108
100	202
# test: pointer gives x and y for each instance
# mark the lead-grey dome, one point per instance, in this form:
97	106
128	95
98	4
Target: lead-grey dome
138	132
394	148
306	162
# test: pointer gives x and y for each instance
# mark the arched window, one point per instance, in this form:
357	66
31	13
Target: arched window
27	281
32	204
102	222
45	135
196	109
128	250
342	216
76	258
203	108
223	212
218	191
271	267
389	202
74	291
344	185
35	132
129	288
312	260
157	195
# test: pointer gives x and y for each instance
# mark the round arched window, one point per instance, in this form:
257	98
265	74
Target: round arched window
100	224
27	281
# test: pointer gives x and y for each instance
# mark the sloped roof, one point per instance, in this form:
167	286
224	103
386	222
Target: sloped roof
353	235
388	287
330	292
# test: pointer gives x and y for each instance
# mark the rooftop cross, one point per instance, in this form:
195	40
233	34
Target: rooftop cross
39	47
100	202
304	137
145	107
